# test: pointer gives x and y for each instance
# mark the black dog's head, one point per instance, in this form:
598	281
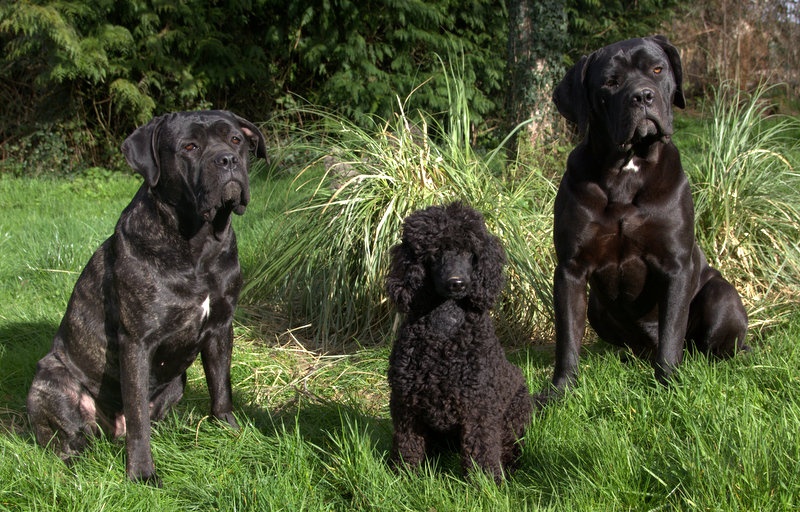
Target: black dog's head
446	253
624	91
196	161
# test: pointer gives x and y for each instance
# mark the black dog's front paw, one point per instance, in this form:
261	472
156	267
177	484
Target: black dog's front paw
228	418
152	480
547	395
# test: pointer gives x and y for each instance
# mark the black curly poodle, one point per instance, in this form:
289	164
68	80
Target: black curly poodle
450	380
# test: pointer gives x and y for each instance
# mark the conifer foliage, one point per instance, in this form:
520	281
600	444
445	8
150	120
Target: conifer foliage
105	66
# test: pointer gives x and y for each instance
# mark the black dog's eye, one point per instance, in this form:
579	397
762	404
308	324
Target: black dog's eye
236	140
612	82
657	70
190	147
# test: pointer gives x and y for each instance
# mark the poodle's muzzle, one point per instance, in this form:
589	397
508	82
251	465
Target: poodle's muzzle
452	273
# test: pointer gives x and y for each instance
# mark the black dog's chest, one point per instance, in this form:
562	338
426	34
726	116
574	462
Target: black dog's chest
618	250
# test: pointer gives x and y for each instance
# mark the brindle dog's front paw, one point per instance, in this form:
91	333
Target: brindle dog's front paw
144	475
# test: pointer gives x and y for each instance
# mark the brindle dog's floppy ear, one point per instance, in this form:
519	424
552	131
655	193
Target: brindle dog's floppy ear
570	95
141	151
257	141
677	69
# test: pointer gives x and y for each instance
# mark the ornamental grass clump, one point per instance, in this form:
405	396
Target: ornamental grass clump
747	206
326	269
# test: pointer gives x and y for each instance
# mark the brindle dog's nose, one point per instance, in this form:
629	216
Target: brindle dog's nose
226	160
644	97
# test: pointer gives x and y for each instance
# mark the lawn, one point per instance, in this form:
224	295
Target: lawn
315	427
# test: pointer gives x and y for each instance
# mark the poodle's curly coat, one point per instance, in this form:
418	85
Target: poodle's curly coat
449	376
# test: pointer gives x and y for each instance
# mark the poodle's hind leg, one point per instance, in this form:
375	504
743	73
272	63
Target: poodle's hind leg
62	413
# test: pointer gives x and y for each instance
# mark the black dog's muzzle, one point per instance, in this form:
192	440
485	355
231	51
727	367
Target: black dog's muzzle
646	115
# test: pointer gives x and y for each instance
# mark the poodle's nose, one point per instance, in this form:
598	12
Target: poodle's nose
456	284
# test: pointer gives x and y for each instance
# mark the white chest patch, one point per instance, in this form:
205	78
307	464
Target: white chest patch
630	166
206	308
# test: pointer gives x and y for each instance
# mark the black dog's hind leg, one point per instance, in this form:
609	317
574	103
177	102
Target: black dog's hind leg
170	395
717	319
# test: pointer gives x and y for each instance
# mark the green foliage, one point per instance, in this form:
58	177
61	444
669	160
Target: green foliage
114	64
596	23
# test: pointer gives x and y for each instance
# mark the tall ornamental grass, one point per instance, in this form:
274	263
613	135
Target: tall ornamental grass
326	267
747	200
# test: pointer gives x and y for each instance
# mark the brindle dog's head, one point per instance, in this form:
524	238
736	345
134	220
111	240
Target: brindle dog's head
624	92
198	161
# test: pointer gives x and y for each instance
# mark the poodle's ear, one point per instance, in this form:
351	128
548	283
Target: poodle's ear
487	277
406	276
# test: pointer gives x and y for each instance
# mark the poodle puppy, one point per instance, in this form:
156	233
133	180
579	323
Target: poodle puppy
451	384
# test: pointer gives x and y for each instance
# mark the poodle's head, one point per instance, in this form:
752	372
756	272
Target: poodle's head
446	253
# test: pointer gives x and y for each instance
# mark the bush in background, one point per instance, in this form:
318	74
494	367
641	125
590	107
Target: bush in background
325	268
105	66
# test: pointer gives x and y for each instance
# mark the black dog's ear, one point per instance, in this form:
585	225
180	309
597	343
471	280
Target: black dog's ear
677	69
141	151
257	141
406	275
570	95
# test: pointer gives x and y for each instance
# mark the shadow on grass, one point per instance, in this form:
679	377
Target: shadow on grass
22	344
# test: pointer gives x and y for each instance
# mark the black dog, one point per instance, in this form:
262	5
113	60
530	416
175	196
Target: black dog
158	292
624	220
451	383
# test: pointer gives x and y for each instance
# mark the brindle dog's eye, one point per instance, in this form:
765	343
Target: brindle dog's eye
657	70
190	147
236	141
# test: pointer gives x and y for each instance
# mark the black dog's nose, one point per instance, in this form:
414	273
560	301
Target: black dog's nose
226	160
644	97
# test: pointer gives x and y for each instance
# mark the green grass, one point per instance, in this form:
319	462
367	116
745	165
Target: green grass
316	430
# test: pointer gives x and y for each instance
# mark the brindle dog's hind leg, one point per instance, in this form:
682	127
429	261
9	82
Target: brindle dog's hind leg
62	414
